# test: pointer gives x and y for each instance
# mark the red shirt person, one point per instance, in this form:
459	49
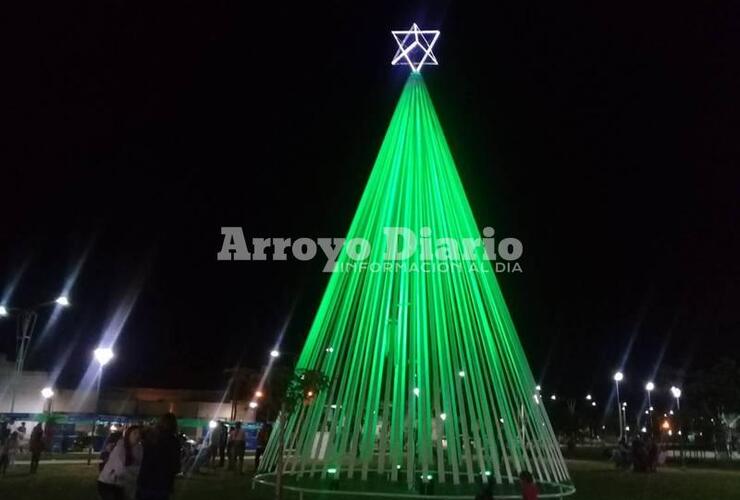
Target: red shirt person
529	489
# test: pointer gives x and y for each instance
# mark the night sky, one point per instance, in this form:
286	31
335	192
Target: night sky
603	137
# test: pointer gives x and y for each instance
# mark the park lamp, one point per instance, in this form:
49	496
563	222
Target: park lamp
588	397
649	386
103	355
676	392
618	377
3	311
212	424
253	404
47	392
274	353
62	300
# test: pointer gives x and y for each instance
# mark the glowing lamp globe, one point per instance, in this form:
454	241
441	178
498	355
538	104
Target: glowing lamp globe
62	300
103	355
47	392
618	377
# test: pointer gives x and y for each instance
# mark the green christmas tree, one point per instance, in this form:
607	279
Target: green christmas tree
427	377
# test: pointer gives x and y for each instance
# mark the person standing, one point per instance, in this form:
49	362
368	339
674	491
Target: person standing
240	445
223	437
237	447
529	489
21	436
213	444
36	446
263	436
117	480
8	450
161	461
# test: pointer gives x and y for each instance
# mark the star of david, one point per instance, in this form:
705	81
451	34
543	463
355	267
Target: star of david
415	47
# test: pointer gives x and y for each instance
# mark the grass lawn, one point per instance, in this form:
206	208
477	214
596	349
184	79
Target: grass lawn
594	481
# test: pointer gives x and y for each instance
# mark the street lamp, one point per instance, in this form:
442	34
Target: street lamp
274	353
62	300
47	393
103	355
26	324
649	387
618	377
676	392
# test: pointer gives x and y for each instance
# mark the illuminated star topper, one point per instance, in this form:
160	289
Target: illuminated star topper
415	47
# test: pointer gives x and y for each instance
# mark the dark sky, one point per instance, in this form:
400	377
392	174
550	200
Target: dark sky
604	137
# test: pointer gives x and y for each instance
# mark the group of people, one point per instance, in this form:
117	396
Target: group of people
642	454
12	442
231	442
527	484
141	464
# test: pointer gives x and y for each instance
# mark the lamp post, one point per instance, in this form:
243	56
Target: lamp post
618	377
676	393
649	387
47	393
103	356
24	333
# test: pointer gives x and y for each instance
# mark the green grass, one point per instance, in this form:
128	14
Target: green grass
594	481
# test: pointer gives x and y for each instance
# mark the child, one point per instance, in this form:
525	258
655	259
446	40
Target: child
529	489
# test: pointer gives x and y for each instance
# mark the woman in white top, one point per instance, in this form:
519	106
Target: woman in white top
117	480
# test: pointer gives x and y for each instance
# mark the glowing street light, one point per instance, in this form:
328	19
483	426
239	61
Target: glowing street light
618	377
103	355
676	392
274	353
649	387
212	424
593	403
62	300
253	404
3	311
553	397
47	393
588	397
258	394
